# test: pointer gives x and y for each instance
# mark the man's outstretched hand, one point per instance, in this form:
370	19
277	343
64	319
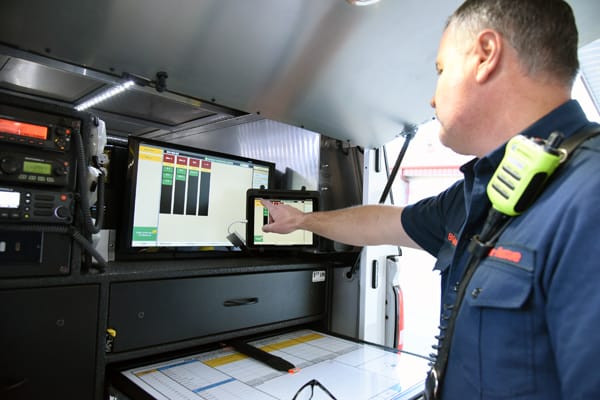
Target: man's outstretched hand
282	218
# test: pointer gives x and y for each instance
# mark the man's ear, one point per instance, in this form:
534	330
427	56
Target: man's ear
489	48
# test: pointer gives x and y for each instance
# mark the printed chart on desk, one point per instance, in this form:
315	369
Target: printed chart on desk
349	370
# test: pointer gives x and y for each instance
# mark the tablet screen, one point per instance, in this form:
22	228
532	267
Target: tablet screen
258	216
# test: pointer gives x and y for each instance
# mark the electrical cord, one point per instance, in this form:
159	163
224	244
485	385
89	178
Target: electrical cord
90	227
67	230
243	221
235	238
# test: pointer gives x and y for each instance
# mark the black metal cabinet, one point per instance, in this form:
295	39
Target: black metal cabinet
48	338
150	313
53	330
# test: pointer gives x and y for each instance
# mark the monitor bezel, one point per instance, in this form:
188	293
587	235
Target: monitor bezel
125	250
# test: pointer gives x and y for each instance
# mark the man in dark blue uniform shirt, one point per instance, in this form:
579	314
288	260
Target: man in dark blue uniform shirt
529	324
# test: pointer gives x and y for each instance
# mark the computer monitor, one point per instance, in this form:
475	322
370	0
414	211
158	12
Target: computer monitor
184	199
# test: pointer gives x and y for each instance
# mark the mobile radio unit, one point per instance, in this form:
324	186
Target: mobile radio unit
42	147
37	165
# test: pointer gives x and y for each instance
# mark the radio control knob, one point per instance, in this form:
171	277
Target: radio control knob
60	142
9	165
62	212
59	170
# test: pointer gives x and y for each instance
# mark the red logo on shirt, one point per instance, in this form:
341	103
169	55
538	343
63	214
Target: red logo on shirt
452	239
505	254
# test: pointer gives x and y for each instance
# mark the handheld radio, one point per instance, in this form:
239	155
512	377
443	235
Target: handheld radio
523	171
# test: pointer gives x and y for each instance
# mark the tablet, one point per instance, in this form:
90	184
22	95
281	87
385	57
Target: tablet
258	216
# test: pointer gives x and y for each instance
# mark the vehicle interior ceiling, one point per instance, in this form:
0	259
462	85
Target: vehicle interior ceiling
217	72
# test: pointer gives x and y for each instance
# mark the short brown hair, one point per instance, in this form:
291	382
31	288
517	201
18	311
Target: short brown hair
543	32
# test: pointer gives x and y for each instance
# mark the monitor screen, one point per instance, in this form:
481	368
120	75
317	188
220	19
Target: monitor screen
186	198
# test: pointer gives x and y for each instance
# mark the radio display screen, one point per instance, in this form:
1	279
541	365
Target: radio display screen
23	129
34	167
9	199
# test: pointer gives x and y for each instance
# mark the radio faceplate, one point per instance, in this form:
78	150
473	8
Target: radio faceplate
35	145
36	206
30	128
21	166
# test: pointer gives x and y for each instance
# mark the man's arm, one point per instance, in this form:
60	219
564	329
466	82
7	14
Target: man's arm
358	226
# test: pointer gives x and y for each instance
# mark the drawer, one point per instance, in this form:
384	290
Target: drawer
149	313
48	341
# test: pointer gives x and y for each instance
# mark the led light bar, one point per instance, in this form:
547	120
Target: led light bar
362	2
113	91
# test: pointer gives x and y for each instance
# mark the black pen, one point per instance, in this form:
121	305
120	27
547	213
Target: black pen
271	360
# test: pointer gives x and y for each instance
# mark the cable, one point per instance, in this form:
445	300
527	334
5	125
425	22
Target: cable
235	237
84	200
67	230
243	221
89	247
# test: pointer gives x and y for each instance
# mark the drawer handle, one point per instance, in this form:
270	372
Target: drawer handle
240	302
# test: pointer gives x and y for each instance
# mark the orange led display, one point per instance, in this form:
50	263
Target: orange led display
23	129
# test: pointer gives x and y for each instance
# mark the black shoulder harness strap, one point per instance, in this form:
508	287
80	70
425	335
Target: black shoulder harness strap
571	143
435	376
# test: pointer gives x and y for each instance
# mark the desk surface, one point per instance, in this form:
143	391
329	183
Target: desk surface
349	370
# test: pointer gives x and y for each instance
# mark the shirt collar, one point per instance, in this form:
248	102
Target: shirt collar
568	118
